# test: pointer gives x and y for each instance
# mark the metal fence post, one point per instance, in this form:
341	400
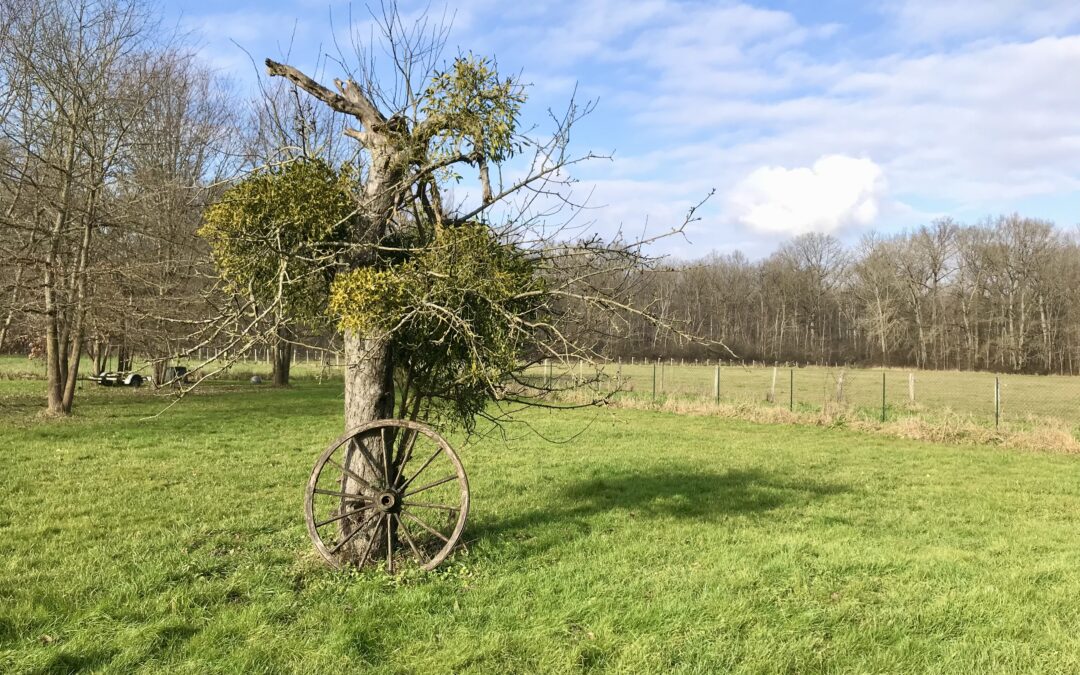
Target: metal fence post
883	397
654	380
997	402
716	384
791	391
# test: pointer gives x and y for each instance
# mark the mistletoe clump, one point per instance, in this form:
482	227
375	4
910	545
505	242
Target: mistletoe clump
459	313
274	234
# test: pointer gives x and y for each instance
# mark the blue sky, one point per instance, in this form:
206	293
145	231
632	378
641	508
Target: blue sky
825	116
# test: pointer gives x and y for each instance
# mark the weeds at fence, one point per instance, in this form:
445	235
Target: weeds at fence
911	421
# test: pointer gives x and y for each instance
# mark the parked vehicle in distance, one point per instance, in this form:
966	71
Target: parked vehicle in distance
116	379
177	375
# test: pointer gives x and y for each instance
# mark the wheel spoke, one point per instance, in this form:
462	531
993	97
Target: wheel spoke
427	527
370	544
404	454
408	538
352	474
336	518
357	444
385	459
425	465
349	537
431	485
444	507
389	547
335	493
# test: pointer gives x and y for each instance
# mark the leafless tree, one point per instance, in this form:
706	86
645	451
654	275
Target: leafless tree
1000	294
98	150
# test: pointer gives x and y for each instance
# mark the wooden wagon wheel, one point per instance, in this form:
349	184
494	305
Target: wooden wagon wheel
390	489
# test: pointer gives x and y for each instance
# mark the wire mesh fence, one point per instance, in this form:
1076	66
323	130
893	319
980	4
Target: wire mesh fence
1011	401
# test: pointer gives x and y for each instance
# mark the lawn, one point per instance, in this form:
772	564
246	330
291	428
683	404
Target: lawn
644	542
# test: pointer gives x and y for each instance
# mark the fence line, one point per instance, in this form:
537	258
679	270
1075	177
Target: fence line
989	399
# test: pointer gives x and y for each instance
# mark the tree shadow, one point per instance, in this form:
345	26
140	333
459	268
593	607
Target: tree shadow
74	662
701	496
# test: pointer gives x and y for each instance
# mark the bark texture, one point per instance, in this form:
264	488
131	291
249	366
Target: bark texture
369	395
282	359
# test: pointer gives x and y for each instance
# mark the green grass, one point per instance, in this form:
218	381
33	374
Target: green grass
21	368
647	543
1026	400
937	393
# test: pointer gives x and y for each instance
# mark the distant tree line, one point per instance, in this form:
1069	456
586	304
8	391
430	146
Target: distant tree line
114	140
1003	295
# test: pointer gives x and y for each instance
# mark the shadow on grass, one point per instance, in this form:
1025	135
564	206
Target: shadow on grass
701	496
74	662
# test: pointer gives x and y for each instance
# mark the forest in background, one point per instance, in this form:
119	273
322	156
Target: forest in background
996	295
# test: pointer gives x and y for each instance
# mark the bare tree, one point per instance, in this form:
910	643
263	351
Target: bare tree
999	294
95	95
876	287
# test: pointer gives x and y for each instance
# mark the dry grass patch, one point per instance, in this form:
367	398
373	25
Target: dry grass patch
1045	434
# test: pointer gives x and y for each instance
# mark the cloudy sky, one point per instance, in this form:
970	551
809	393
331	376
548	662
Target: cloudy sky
825	116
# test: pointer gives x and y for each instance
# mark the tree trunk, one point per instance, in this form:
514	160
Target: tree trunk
55	351
161	366
78	310
15	288
368	387
101	355
369	396
124	358
282	357
53	373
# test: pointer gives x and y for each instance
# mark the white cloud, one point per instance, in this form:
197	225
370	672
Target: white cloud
973	131
836	192
934	20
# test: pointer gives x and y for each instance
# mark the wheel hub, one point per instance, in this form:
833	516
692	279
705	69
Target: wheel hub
388	502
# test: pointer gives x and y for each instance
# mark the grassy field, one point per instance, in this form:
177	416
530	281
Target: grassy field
22	368
647	542
969	394
1025	400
